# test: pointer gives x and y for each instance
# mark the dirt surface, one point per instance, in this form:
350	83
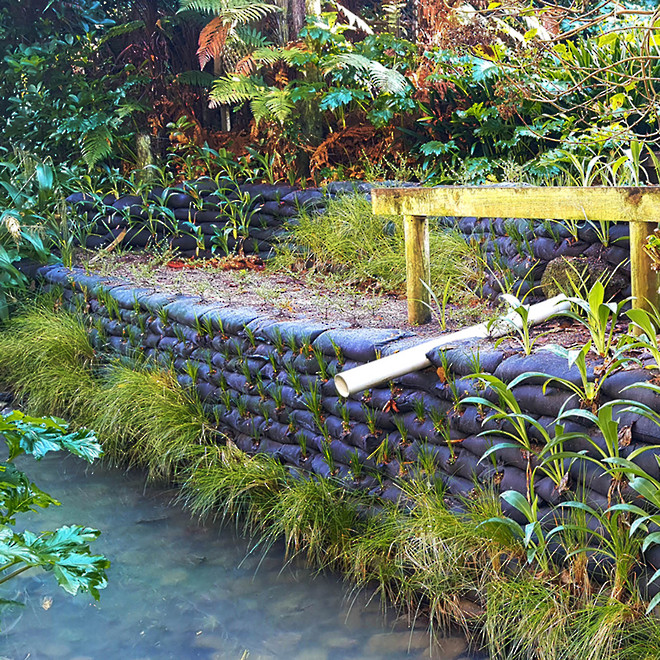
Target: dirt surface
284	295
309	295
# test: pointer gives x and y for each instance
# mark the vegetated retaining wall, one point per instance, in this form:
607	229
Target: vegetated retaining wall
188	217
518	250
269	384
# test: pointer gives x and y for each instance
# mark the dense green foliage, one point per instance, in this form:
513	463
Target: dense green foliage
517	99
65	551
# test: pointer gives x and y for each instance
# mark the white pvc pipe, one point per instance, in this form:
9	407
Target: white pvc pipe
414	358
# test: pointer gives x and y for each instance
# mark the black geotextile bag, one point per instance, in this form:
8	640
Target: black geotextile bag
361	345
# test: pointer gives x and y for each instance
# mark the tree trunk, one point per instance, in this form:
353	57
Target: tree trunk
296	14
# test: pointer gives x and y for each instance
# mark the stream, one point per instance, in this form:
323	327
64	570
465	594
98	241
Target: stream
181	589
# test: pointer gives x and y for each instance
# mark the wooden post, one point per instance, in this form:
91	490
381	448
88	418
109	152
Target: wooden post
418	268
644	280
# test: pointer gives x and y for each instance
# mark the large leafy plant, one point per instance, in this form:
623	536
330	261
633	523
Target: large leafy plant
326	73
65	551
58	101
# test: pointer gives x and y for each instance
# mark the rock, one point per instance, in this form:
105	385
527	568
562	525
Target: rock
333	640
560	272
312	653
451	647
397	642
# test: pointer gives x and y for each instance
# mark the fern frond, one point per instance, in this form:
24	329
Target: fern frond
388	80
246	66
97	144
249	12
272	104
230	7
195	78
266	55
233	89
270	55
212	40
380	76
128	107
279	104
259	109
248	39
119	30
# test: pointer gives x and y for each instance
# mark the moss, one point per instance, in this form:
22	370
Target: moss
562	274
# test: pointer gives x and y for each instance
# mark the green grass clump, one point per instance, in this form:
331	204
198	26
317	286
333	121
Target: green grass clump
48	359
223	482
144	417
445	556
316	517
371	558
349	239
531	616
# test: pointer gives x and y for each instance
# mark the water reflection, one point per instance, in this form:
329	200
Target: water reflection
180	590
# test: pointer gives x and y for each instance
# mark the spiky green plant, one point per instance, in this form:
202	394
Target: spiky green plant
48	359
223	482
144	416
316	517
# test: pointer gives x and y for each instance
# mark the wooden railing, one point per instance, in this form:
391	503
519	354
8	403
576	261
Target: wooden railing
638	206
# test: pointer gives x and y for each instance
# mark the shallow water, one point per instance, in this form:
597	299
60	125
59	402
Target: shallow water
178	589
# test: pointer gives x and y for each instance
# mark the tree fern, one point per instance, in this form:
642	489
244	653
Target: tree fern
97	144
380	76
229	14
235	88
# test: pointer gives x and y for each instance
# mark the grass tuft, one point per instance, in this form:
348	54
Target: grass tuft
144	417
48	360
223	482
316	517
349	239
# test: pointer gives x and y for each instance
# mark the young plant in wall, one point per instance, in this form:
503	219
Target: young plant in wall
598	316
66	551
587	391
507	410
518	322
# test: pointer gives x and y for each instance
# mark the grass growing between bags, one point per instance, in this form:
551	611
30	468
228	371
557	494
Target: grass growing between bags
427	560
423	559
146	418
48	359
225	483
139	412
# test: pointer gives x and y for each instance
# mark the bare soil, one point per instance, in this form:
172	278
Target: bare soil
311	296
283	295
